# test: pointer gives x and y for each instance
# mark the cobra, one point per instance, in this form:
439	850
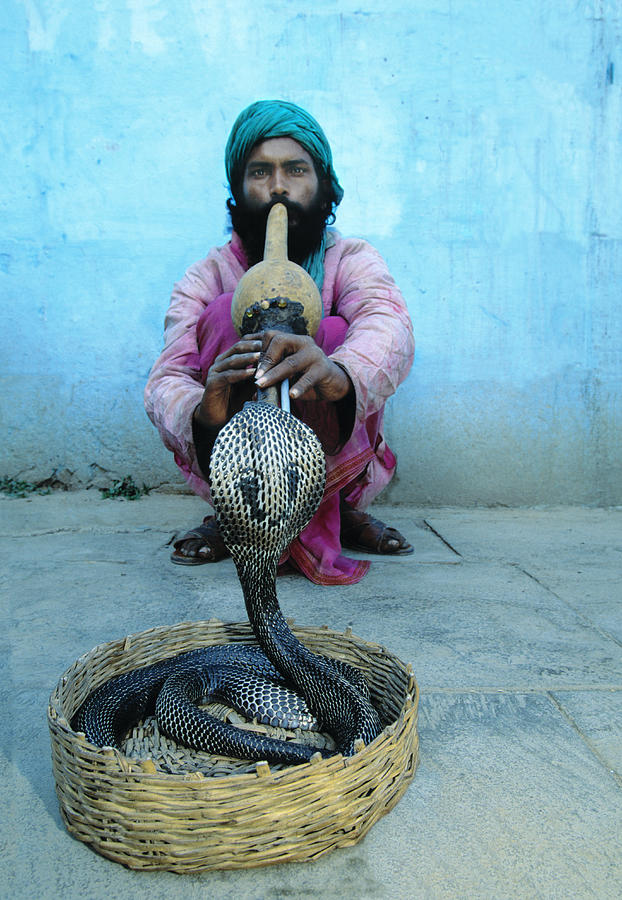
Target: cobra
267	477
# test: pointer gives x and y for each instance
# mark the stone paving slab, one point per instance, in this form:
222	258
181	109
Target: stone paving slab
597	716
86	510
506	787
532	537
593	589
481	625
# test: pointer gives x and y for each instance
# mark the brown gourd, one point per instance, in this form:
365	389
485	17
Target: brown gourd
267	296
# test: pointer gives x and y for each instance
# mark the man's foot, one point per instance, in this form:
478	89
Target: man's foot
201	545
360	531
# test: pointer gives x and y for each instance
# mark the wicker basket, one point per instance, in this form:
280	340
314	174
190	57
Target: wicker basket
148	819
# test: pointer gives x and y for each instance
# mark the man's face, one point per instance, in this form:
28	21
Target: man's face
279	168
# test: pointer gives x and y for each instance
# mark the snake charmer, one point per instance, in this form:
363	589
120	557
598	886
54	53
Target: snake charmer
340	380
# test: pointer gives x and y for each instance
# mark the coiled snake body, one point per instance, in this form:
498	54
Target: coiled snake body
267	475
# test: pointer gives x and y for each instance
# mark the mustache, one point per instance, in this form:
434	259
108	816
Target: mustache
305	226
290	205
259	215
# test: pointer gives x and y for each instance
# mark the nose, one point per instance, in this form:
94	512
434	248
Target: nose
278	187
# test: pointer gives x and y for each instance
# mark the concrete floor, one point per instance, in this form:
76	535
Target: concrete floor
511	618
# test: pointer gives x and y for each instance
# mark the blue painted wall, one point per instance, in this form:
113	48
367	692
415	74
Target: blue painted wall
479	148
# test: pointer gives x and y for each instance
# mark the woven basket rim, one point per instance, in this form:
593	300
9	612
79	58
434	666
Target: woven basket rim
55	712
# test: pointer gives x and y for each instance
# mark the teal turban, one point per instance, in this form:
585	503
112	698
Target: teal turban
278	118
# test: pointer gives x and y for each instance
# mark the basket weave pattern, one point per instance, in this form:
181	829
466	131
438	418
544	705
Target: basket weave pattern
146	819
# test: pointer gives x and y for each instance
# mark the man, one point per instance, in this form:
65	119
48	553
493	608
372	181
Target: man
339	381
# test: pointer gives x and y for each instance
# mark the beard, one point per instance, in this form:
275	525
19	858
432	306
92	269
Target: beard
304	233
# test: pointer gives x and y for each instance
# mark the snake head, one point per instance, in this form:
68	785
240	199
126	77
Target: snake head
267	476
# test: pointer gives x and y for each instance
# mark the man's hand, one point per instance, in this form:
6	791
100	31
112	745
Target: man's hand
229	370
312	375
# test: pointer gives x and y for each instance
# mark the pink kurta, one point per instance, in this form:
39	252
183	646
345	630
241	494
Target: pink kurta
377	353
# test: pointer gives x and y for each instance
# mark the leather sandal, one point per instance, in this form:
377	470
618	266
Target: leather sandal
206	537
364	533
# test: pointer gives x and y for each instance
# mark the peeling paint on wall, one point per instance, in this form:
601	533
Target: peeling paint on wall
44	24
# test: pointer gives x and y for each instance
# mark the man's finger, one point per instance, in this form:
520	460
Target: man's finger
279	346
241	347
239	361
233	376
307	382
286	368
